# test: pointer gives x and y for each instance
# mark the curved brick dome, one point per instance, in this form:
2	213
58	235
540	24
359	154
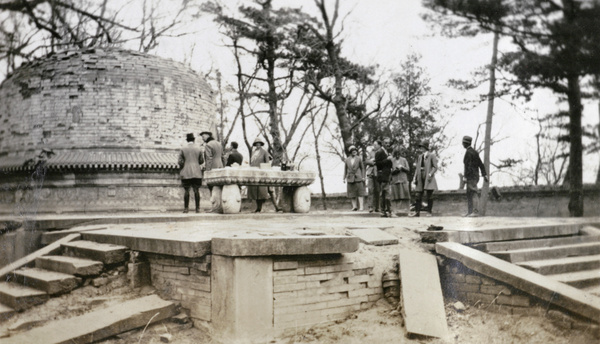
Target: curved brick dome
101	109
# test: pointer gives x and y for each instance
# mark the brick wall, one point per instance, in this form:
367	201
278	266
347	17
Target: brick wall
315	289
464	284
183	279
102	98
99	191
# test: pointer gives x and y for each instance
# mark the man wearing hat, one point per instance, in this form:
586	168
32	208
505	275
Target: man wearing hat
471	175
213	151
384	171
424	178
190	162
258	156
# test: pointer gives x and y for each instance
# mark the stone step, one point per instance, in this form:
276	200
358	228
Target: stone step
6	312
575	300
51	282
536	243
562	265
579	279
527	254
106	253
20	297
70	265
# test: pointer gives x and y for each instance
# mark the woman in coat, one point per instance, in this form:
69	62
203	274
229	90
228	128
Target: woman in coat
425	177
399	180
259	156
354	174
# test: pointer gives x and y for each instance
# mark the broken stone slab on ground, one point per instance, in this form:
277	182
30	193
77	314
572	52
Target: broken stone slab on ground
373	236
99	324
422	299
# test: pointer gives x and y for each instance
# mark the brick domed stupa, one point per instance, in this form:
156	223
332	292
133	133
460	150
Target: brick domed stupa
98	130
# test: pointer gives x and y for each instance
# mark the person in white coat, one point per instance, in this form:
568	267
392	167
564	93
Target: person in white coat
424	179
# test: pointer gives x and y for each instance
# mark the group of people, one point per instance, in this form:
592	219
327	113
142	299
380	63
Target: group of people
195	159
385	174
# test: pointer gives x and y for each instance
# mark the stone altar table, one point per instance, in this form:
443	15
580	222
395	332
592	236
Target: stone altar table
226	195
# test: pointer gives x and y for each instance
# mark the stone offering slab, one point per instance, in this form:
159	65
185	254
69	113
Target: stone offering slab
255	176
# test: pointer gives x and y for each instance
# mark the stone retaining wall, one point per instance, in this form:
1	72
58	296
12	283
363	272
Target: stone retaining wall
309	290
183	279
526	201
464	284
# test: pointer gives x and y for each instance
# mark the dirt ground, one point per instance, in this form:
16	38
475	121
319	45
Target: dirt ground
380	324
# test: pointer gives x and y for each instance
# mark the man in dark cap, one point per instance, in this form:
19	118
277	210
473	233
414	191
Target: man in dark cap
190	162
424	178
471	175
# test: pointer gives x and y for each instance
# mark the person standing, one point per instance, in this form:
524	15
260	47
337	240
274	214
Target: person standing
354	174
471	175
424	178
190	162
384	169
213	151
399	180
234	157
258	156
372	183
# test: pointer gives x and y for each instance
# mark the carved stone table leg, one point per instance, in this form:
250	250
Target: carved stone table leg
215	199
302	200
231	199
286	203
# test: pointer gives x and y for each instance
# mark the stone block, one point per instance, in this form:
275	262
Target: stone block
285	265
70	265
106	253
51	282
495	290
373	236
252	244
242	297
514	300
472	279
138	274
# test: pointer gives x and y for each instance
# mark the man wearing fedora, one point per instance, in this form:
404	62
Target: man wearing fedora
424	178
471	175
190	162
213	151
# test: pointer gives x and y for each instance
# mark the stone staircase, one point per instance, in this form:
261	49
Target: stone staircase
573	260
54	275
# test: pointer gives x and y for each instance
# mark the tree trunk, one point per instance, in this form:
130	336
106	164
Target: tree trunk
488	124
576	148
598	173
271	56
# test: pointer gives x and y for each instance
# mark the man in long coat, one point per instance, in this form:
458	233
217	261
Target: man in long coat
471	176
384	171
190	162
424	179
213	151
258	156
